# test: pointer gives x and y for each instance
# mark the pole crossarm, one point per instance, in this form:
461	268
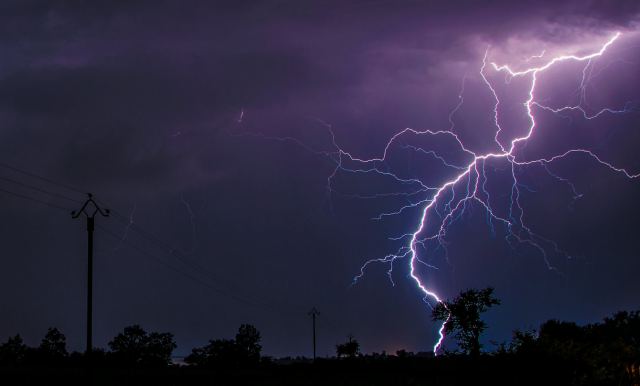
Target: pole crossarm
85	209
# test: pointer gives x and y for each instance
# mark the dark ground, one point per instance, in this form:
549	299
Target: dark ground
453	370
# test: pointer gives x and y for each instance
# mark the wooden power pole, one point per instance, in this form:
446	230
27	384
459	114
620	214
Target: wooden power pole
90	208
313	313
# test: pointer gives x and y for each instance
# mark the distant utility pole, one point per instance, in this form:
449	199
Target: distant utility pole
90	209
313	313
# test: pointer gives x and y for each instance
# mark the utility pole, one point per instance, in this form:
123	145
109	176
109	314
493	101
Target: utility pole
313	313
90	208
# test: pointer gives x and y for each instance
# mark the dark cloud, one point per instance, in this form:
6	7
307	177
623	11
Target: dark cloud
141	103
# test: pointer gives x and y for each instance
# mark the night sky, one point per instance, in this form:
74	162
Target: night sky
207	128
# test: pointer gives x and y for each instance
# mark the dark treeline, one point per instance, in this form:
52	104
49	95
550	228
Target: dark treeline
558	353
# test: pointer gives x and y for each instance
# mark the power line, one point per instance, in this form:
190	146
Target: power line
174	252
147	235
34	199
34	175
188	263
41	190
171	250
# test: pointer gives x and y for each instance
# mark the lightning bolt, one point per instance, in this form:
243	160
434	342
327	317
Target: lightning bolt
444	203
447	196
241	116
127	228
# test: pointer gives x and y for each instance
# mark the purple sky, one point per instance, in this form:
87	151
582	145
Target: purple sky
140	103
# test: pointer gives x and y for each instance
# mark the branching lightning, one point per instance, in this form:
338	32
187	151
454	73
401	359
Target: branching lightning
446	201
450	198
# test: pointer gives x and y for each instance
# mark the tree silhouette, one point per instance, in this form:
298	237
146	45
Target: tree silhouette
619	339
12	351
135	346
603	353
462	317
54	344
248	343
349	349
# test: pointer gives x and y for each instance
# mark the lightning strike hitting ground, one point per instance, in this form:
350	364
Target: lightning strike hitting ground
473	175
447	201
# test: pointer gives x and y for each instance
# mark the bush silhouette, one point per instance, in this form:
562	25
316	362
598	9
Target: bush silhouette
135	346
244	350
349	349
